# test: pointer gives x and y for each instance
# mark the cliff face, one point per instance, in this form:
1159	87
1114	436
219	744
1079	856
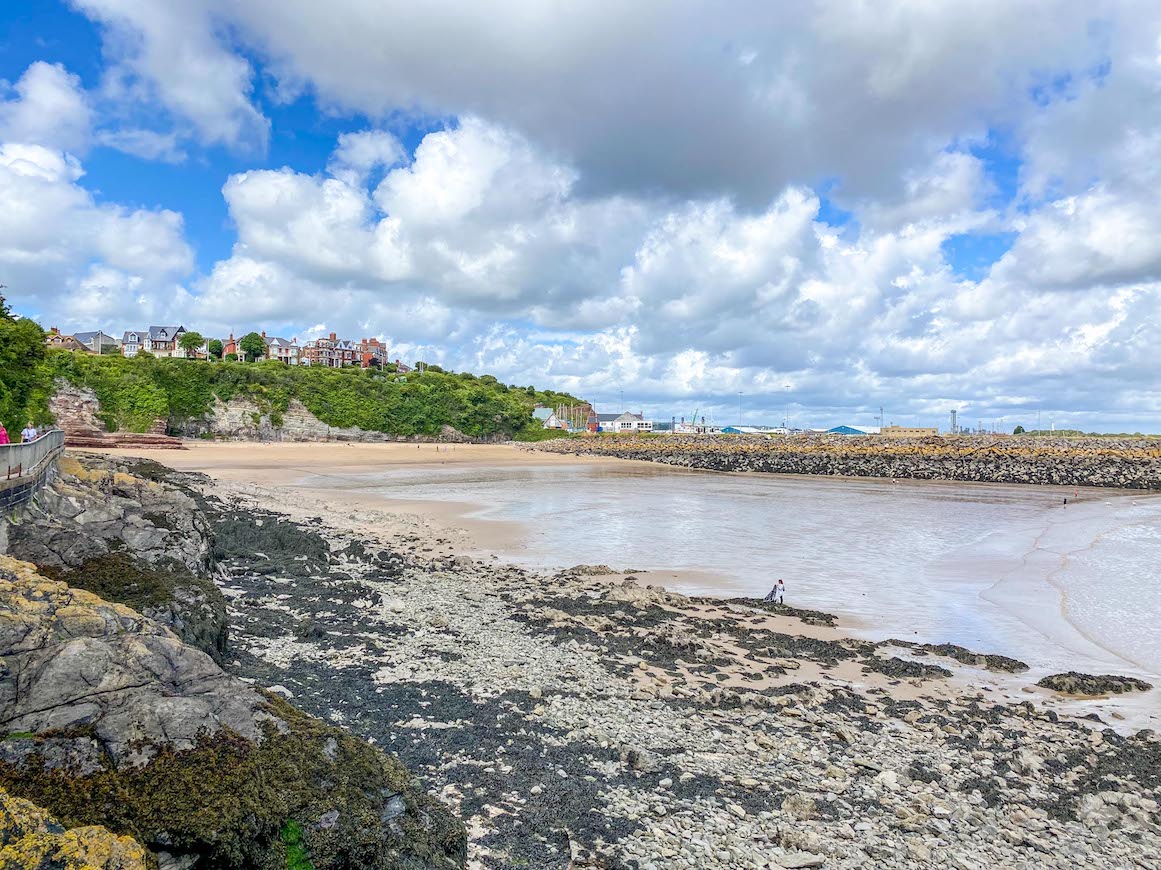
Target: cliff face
244	420
113	721
77	411
1120	463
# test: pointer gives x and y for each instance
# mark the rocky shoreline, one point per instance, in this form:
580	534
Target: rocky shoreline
1123	463
575	721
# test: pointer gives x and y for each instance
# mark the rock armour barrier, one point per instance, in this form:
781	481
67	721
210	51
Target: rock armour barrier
1112	462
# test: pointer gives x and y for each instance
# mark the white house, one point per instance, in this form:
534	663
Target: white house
630	422
547	416
133	341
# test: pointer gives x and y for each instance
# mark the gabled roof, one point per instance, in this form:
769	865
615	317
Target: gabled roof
164	333
273	341
607	418
86	337
140	333
630	416
542	413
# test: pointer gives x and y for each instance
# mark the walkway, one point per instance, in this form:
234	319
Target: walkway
26	468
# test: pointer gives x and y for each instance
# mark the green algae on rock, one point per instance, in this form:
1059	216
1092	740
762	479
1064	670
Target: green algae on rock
1073	683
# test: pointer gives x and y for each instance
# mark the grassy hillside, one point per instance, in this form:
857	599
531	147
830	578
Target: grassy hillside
135	392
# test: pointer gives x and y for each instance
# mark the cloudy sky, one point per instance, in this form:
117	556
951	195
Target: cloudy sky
832	206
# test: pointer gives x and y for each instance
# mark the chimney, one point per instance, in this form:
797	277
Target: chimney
264	333
334	337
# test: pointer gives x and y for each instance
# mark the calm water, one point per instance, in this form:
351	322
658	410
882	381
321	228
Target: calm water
995	568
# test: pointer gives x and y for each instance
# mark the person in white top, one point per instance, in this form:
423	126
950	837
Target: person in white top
28	433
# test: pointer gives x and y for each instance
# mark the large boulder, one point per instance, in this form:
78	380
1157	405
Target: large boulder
114	721
117	528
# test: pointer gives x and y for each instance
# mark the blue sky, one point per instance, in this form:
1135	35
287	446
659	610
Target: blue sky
682	206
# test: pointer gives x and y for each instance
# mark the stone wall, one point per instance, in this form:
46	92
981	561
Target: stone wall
1122	463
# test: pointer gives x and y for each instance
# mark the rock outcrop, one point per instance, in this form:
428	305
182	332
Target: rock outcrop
1073	683
114	527
77	411
113	721
1125	463
31	839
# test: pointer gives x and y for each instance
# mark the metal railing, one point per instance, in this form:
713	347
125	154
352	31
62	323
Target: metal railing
29	460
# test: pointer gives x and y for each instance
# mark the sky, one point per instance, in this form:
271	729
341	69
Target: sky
751	209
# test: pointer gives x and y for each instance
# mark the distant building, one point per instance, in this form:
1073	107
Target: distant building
696	426
58	340
402	367
372	353
284	351
331	352
96	341
753	430
910	431
134	341
853	430
630	422
163	341
547	417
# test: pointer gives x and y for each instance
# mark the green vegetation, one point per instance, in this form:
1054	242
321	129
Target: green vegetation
215	347
24	384
135	392
296	856
191	341
253	345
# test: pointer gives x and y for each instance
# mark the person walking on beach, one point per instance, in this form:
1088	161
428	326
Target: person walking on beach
3	435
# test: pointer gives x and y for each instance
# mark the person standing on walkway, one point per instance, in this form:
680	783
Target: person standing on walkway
28	433
3	435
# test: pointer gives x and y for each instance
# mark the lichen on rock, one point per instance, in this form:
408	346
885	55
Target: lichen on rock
31	839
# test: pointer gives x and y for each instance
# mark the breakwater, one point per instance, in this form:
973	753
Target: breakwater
1122	463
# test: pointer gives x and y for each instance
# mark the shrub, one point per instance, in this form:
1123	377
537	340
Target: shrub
135	392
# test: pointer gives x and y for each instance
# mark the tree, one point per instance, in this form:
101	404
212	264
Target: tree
110	350
1019	430
231	357
190	342
215	348
23	381
253	346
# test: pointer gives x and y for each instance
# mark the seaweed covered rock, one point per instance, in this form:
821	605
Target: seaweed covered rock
114	721
31	839
1073	683
116	527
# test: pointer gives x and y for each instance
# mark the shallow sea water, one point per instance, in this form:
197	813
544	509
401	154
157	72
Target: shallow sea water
1002	569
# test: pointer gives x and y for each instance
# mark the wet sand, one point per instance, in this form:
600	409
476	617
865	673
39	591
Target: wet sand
316	479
